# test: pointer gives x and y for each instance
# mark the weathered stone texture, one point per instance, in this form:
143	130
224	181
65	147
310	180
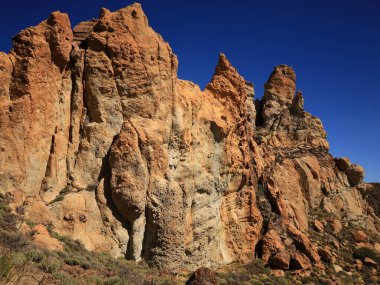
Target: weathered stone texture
99	138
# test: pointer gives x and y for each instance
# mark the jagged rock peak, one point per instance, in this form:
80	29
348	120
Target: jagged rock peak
223	64
297	108
226	80
281	85
284	70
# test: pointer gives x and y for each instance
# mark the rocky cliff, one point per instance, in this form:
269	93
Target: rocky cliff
102	141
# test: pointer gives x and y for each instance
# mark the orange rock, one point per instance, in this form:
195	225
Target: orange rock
336	226
318	226
358	264
342	163
355	174
47	242
278	272
41	229
370	262
336	244
326	255
43	239
271	244
280	260
300	261
359	236
203	276
304	245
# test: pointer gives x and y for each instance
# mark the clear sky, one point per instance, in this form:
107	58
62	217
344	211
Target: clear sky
333	45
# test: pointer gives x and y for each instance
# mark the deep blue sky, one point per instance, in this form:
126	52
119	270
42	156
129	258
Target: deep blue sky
334	47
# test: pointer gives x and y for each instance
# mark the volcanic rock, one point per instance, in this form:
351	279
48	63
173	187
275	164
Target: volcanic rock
203	276
343	163
43	239
355	174
359	236
318	226
100	139
326	255
370	262
280	260
300	261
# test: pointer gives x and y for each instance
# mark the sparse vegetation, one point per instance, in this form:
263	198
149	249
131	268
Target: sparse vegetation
254	272
363	252
22	262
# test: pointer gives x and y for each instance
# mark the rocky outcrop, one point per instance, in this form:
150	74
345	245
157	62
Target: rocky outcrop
371	192
101	140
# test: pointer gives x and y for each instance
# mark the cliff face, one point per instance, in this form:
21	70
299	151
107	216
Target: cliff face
100	139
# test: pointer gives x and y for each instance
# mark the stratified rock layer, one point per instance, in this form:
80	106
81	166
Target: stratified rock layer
100	139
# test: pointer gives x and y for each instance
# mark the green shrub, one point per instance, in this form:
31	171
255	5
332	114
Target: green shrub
59	198
6	266
64	278
35	255
76	260
113	281
363	252
50	265
13	240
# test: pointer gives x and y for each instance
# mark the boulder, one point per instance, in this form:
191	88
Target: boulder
359	236
299	261
203	276
336	226
342	163
280	260
318	226
355	174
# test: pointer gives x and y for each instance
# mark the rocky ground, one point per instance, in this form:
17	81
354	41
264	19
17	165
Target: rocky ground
101	143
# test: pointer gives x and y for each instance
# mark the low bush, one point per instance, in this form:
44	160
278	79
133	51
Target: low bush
363	252
50	265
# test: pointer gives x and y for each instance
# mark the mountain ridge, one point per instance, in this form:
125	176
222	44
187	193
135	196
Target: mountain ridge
102	141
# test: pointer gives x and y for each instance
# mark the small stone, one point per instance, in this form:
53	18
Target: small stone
69	217
376	246
358	264
359	236
326	255
336	244
336	226
278	272
288	242
318	226
370	262
82	218
337	268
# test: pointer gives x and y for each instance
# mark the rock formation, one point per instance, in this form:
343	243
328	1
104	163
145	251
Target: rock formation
101	140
